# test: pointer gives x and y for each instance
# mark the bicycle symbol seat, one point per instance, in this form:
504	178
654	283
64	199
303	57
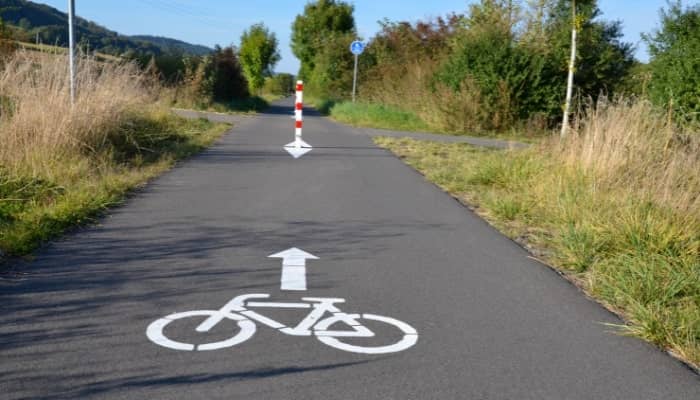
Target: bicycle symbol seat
314	324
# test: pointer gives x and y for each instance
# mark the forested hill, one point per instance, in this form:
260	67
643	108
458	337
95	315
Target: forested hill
30	20
174	45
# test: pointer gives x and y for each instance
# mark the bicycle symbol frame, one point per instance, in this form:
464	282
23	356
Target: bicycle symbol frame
314	324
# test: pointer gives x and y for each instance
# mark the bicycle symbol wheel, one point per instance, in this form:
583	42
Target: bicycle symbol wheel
330	338
155	331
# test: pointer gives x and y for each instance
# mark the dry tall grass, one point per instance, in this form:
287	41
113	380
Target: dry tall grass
407	93
630	144
38	125
634	224
62	164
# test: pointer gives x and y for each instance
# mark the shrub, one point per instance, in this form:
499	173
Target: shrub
332	73
214	78
258	55
675	63
497	67
279	85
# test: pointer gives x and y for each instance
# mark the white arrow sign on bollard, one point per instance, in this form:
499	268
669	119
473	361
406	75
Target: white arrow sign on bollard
294	268
298	147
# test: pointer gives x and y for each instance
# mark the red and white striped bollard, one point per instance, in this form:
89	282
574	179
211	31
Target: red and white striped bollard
298	113
298	147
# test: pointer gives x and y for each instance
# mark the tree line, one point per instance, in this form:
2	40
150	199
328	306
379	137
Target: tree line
499	64
228	73
502	63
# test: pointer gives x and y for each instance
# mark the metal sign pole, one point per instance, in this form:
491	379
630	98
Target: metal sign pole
356	48
71	45
354	80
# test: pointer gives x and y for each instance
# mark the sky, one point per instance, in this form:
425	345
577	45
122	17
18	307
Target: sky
211	22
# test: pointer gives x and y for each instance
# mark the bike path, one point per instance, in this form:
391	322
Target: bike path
492	323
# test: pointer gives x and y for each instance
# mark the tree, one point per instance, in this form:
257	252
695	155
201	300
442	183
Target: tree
7	44
322	20
279	84
675	61
216	77
575	27
491	65
535	22
228	82
25	24
258	55
602	60
333	67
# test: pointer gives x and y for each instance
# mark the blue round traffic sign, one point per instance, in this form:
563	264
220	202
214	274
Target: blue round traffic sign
357	47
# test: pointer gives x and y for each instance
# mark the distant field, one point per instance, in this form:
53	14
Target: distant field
45	48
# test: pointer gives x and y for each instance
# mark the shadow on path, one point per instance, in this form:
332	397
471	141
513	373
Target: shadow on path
173	381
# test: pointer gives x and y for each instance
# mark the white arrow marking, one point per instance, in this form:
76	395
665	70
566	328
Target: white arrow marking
298	148
294	268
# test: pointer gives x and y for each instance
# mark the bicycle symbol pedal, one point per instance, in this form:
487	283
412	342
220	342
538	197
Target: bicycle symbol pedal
316	323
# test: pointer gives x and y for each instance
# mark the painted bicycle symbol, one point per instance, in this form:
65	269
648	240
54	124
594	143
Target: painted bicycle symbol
316	323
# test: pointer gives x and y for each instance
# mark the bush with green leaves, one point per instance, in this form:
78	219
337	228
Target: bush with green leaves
512	79
518	77
675	61
332	74
280	84
215	78
498	66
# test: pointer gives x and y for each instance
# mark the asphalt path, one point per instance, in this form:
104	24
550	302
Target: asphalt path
435	137
491	322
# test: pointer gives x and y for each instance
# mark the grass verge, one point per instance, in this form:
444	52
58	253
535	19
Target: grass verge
377	116
322	105
380	116
62	163
249	105
615	208
34	209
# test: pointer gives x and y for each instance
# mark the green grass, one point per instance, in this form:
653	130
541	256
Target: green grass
322	104
636	256
270	97
34	210
376	116
250	105
380	116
